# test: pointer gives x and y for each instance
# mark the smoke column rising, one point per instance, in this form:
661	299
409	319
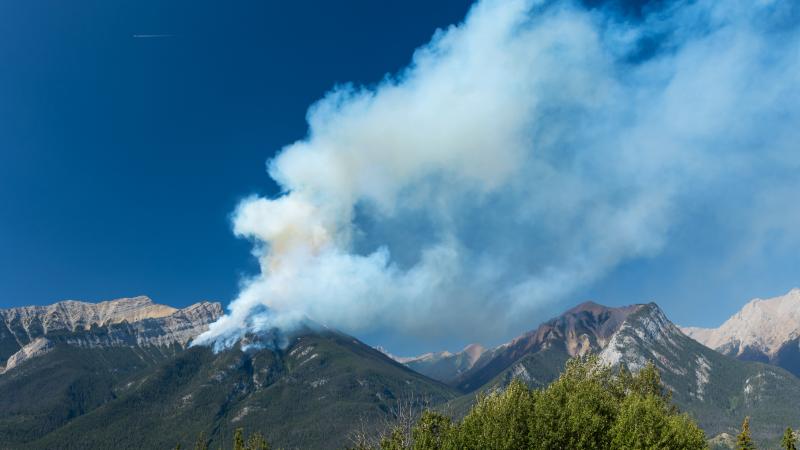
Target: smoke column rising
522	155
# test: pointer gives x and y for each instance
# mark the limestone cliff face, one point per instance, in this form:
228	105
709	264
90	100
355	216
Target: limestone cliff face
761	326
38	347
29	331
71	315
764	330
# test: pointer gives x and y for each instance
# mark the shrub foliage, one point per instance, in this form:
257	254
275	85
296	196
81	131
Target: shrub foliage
589	406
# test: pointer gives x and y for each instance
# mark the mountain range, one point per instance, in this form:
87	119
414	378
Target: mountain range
122	373
137	322
719	388
445	366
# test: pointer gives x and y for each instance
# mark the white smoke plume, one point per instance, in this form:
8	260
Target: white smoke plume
522	155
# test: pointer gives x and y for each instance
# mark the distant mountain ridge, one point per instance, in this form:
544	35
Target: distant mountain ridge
31	331
765	330
444	366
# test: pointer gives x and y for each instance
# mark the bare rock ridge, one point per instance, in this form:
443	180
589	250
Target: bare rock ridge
762	325
38	347
587	327
765	330
649	330
584	328
72	315
31	331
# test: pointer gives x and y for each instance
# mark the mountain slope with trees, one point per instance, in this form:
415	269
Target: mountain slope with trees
308	395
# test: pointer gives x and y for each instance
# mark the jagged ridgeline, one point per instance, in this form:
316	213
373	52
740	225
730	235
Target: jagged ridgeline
121	375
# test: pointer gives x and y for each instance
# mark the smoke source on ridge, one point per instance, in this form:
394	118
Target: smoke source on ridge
522	155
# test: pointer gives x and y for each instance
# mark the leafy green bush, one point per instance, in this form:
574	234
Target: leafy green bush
588	407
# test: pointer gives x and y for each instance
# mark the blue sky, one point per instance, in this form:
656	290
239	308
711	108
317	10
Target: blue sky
123	159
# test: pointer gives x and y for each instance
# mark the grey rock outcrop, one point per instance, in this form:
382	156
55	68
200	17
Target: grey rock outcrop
29	331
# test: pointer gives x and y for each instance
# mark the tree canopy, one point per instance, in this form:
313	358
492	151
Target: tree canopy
588	407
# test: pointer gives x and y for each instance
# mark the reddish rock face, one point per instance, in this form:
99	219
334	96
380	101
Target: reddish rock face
585	328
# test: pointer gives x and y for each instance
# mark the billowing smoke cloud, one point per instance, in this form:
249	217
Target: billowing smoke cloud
521	156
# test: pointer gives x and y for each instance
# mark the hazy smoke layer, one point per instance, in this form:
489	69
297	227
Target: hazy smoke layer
520	156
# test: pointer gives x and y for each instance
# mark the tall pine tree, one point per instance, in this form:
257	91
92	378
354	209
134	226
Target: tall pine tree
744	441
202	442
256	441
788	440
238	439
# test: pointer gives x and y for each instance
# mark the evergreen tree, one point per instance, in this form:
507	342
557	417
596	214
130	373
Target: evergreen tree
788	440
256	441
578	409
648	381
744	441
238	439
646	422
432	431
201	443
500	420
394	441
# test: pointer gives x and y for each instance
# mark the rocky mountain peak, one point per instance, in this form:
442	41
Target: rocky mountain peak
588	306
581	329
585	328
762	326
72	315
648	329
29	331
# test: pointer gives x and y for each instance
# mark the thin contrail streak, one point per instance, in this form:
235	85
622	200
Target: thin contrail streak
149	36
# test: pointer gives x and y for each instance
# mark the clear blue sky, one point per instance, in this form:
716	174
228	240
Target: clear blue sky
123	157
